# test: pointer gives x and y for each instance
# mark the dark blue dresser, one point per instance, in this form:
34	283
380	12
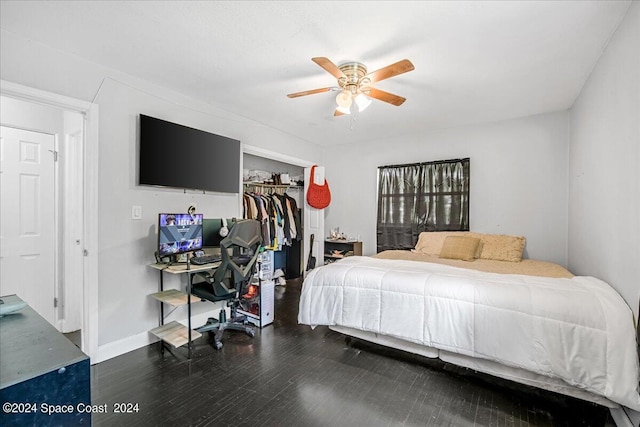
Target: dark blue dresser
44	378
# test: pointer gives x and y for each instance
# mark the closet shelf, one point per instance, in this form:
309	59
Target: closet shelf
258	187
260	184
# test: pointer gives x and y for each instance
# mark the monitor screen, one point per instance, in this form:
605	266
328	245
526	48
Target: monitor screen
211	232
179	233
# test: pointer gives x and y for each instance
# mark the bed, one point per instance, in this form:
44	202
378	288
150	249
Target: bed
528	321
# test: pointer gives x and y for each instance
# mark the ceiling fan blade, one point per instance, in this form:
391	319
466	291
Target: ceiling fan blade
392	70
309	92
329	66
386	96
338	113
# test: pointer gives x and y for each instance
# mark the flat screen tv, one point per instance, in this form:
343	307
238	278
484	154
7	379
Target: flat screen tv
172	155
179	233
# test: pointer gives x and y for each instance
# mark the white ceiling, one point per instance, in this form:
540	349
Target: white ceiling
475	61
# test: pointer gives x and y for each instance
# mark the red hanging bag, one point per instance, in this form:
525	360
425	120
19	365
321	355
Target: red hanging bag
318	196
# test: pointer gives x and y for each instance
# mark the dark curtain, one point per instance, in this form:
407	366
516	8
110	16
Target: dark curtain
431	196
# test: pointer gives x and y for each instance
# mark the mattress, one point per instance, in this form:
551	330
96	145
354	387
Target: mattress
577	330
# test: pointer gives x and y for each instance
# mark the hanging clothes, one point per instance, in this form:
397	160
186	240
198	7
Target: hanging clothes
297	223
278	215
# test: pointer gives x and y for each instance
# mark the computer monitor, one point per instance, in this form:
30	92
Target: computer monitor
211	231
179	233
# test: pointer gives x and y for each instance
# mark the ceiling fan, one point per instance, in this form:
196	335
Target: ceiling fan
354	84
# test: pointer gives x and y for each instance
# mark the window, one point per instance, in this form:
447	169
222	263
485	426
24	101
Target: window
432	196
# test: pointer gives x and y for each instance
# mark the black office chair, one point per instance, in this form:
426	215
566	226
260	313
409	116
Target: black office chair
239	252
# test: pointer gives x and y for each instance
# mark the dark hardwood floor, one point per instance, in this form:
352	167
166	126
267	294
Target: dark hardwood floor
291	375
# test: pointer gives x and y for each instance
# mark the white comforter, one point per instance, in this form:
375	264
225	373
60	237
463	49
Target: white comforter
579	330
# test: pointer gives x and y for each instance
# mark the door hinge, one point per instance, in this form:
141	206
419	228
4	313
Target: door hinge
55	155
55	302
85	252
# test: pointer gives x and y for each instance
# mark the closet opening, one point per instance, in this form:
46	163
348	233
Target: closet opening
273	193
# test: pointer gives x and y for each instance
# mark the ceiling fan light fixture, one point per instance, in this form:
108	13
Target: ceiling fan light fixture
354	84
344	110
362	101
344	99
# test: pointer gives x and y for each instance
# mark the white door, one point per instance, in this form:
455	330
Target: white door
313	221
27	218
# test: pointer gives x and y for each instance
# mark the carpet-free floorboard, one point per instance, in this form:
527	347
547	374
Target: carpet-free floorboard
291	375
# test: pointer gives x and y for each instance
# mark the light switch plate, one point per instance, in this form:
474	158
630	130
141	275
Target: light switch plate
136	212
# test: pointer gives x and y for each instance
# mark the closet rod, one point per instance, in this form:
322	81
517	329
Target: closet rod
258	187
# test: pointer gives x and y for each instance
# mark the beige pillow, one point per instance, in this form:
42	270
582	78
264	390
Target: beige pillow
492	246
460	247
502	248
431	242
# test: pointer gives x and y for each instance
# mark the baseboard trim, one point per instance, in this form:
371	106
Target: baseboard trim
117	348
625	417
134	342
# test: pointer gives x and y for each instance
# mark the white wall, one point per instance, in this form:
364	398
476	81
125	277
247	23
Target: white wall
518	179
126	246
604	191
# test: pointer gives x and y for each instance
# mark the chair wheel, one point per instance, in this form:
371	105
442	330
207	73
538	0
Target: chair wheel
251	333
217	345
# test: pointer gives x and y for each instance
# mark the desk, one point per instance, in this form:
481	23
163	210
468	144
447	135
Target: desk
175	333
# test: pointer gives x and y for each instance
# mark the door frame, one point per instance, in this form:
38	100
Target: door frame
87	197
